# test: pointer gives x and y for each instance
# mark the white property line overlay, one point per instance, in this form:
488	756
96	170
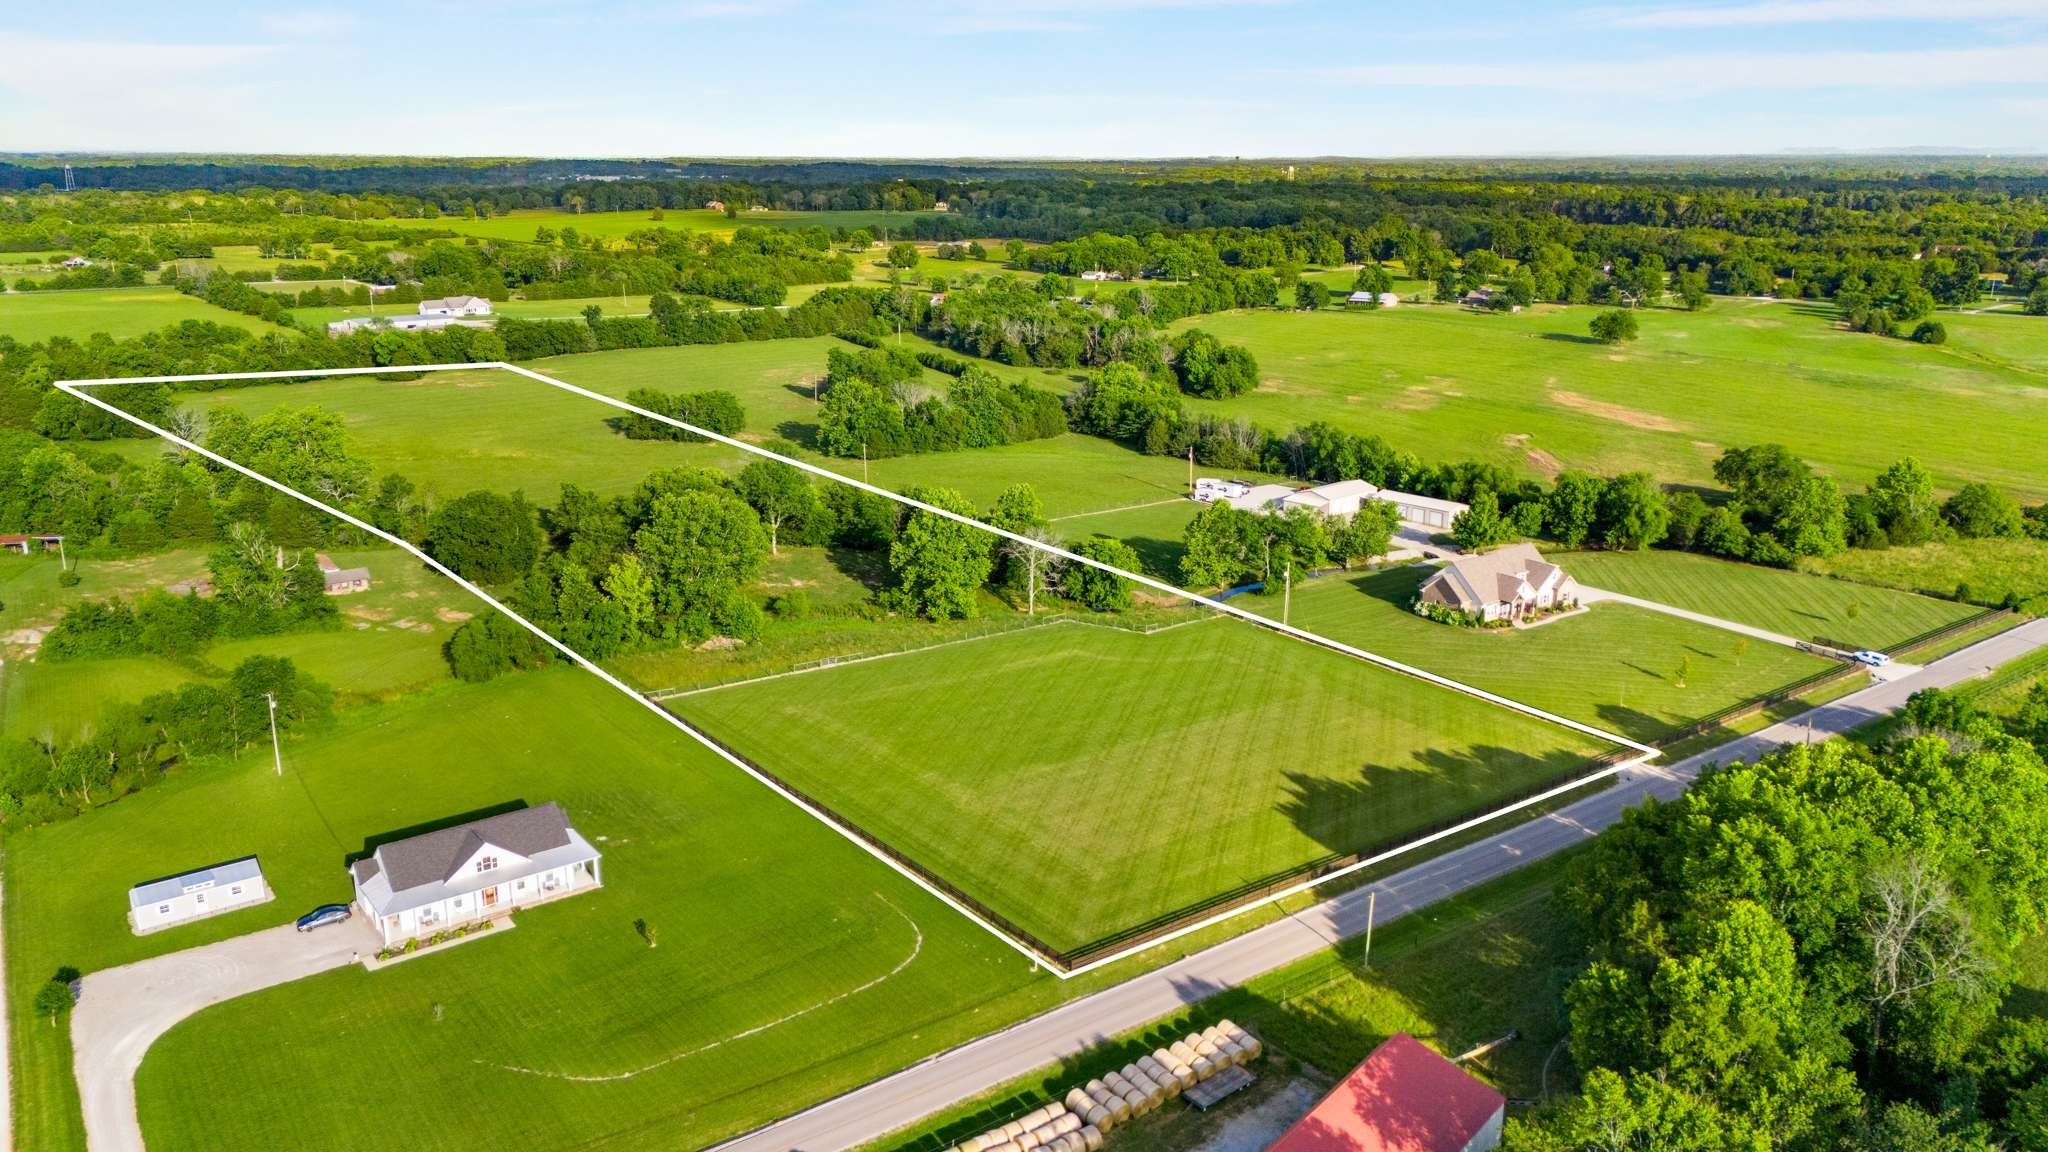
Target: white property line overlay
77	388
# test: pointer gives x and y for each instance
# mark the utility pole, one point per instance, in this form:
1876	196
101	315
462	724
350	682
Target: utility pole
863	461
1286	590
276	754
1191	467
1372	909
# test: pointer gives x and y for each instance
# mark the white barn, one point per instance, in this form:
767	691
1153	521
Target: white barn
427	883
202	892
456	306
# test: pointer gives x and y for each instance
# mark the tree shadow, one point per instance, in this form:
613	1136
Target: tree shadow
1348	817
1630	722
1570	338
803	389
869	568
1160	558
1395	586
799	433
377	840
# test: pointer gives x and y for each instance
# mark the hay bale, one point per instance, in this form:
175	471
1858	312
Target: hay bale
1038	1116
1138	1102
1078	1101
1116	1082
1205	1067
1044	1134
1066	1122
1012	1130
1091	1138
1027	1141
1185	1076
1100	1118
973	1143
1120	1108
1002	1146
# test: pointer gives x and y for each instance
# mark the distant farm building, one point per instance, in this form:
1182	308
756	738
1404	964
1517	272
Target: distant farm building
431	882
942	206
1208	490
1343	498
342	581
1404	1098
453	306
25	544
1507	583
199	893
1384	299
78	262
714	205
1099	274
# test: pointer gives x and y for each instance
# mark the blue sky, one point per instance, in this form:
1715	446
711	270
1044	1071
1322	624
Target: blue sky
1024	77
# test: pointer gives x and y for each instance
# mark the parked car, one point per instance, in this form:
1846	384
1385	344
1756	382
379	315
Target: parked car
324	915
1874	659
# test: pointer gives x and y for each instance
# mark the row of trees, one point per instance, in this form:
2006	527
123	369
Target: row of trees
875	403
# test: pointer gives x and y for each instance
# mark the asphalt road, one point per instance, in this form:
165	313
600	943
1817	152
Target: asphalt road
121	1011
897	1101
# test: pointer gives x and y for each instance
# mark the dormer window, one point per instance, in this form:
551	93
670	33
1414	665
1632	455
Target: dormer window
486	863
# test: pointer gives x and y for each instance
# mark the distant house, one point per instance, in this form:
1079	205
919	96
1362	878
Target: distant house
342	581
452	306
1385	299
1209	490
474	871
24	544
1404	1098
1100	275
192	895
941	206
1507	583
937	299
714	205
1478	298
78	262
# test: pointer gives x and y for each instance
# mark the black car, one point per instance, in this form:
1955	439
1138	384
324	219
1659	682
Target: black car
324	915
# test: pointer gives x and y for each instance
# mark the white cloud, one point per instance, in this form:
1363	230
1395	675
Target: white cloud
1778	12
306	23
115	57
1695	75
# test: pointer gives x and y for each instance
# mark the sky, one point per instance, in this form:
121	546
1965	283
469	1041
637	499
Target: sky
1038	78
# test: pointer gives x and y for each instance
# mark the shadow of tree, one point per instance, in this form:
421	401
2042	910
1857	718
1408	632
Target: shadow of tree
1386	805
1394	586
799	433
1160	558
1570	338
1631	722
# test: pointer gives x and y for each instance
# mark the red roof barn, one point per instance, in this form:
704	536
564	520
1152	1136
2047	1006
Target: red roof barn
1404	1098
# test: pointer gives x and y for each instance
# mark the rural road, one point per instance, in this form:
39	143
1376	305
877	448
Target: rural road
897	1101
121	1011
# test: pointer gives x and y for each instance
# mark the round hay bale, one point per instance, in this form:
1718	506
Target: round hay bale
1101	1118
1252	1045
1027	1141
1044	1134
1204	1067
1078	1101
1037	1116
1066	1122
1139	1105
1183	1052
1116	1082
973	1143
1120	1108
1091	1138
1002	1146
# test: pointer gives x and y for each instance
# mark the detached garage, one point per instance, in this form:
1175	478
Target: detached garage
192	895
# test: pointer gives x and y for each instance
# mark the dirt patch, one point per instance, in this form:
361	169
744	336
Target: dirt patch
1538	459
364	612
720	644
1649	422
452	615
476	383
1413	399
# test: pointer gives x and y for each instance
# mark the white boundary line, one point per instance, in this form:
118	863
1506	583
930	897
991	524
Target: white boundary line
77	388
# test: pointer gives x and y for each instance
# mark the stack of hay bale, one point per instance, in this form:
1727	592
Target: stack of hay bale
1078	1122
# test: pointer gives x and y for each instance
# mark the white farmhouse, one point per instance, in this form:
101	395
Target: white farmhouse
474	871
193	895
453	306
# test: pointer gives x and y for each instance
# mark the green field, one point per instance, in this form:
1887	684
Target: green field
119	312
1615	667
58	702
522	309
31	598
762	913
1529	392
1993	569
1789	603
521	225
1137	774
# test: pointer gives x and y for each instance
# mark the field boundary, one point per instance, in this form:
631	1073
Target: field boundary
944	892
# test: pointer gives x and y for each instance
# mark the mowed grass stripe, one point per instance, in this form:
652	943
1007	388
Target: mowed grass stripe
1625	669
1791	603
1082	780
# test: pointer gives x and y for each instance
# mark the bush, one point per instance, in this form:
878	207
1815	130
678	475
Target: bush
713	410
1092	587
68	578
1930	332
1614	326
794	604
491	645
485	536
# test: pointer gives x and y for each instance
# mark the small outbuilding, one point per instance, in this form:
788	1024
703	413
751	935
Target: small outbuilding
342	581
1404	1098
1383	299
194	895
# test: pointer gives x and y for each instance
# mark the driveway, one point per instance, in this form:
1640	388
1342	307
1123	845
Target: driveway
121	1011
884	1106
1596	595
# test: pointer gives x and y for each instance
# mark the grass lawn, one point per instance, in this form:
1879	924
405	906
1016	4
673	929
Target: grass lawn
762	913
523	309
1141	774
119	312
1992	568
30	597
1154	530
1791	603
1529	391
521	225
60	701
1616	666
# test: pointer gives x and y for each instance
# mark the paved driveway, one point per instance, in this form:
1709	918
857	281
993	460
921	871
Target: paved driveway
1596	595
121	1011
884	1106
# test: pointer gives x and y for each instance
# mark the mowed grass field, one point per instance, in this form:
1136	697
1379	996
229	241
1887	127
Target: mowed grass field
1615	666
1993	569
1531	392
521	225
1130	776
31	317
769	925
453	432
1790	603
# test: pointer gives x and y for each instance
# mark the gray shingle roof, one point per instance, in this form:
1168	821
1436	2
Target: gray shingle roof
433	857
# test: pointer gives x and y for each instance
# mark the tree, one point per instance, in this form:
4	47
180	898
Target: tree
700	548
1030	558
1692	289
1223	547
1573	507
1930	332
939	562
1980	510
1094	588
1205	366
1372	279
1369	532
903	255
485	536
488	646
2037	300
1632	512
1902	499
1480	526
54	1000
777	492
1921	941
1309	295
1614	326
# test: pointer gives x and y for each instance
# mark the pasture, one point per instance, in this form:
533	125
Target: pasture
31	317
1790	603
791	966
1530	391
1626	669
521	225
1992	569
1137	774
